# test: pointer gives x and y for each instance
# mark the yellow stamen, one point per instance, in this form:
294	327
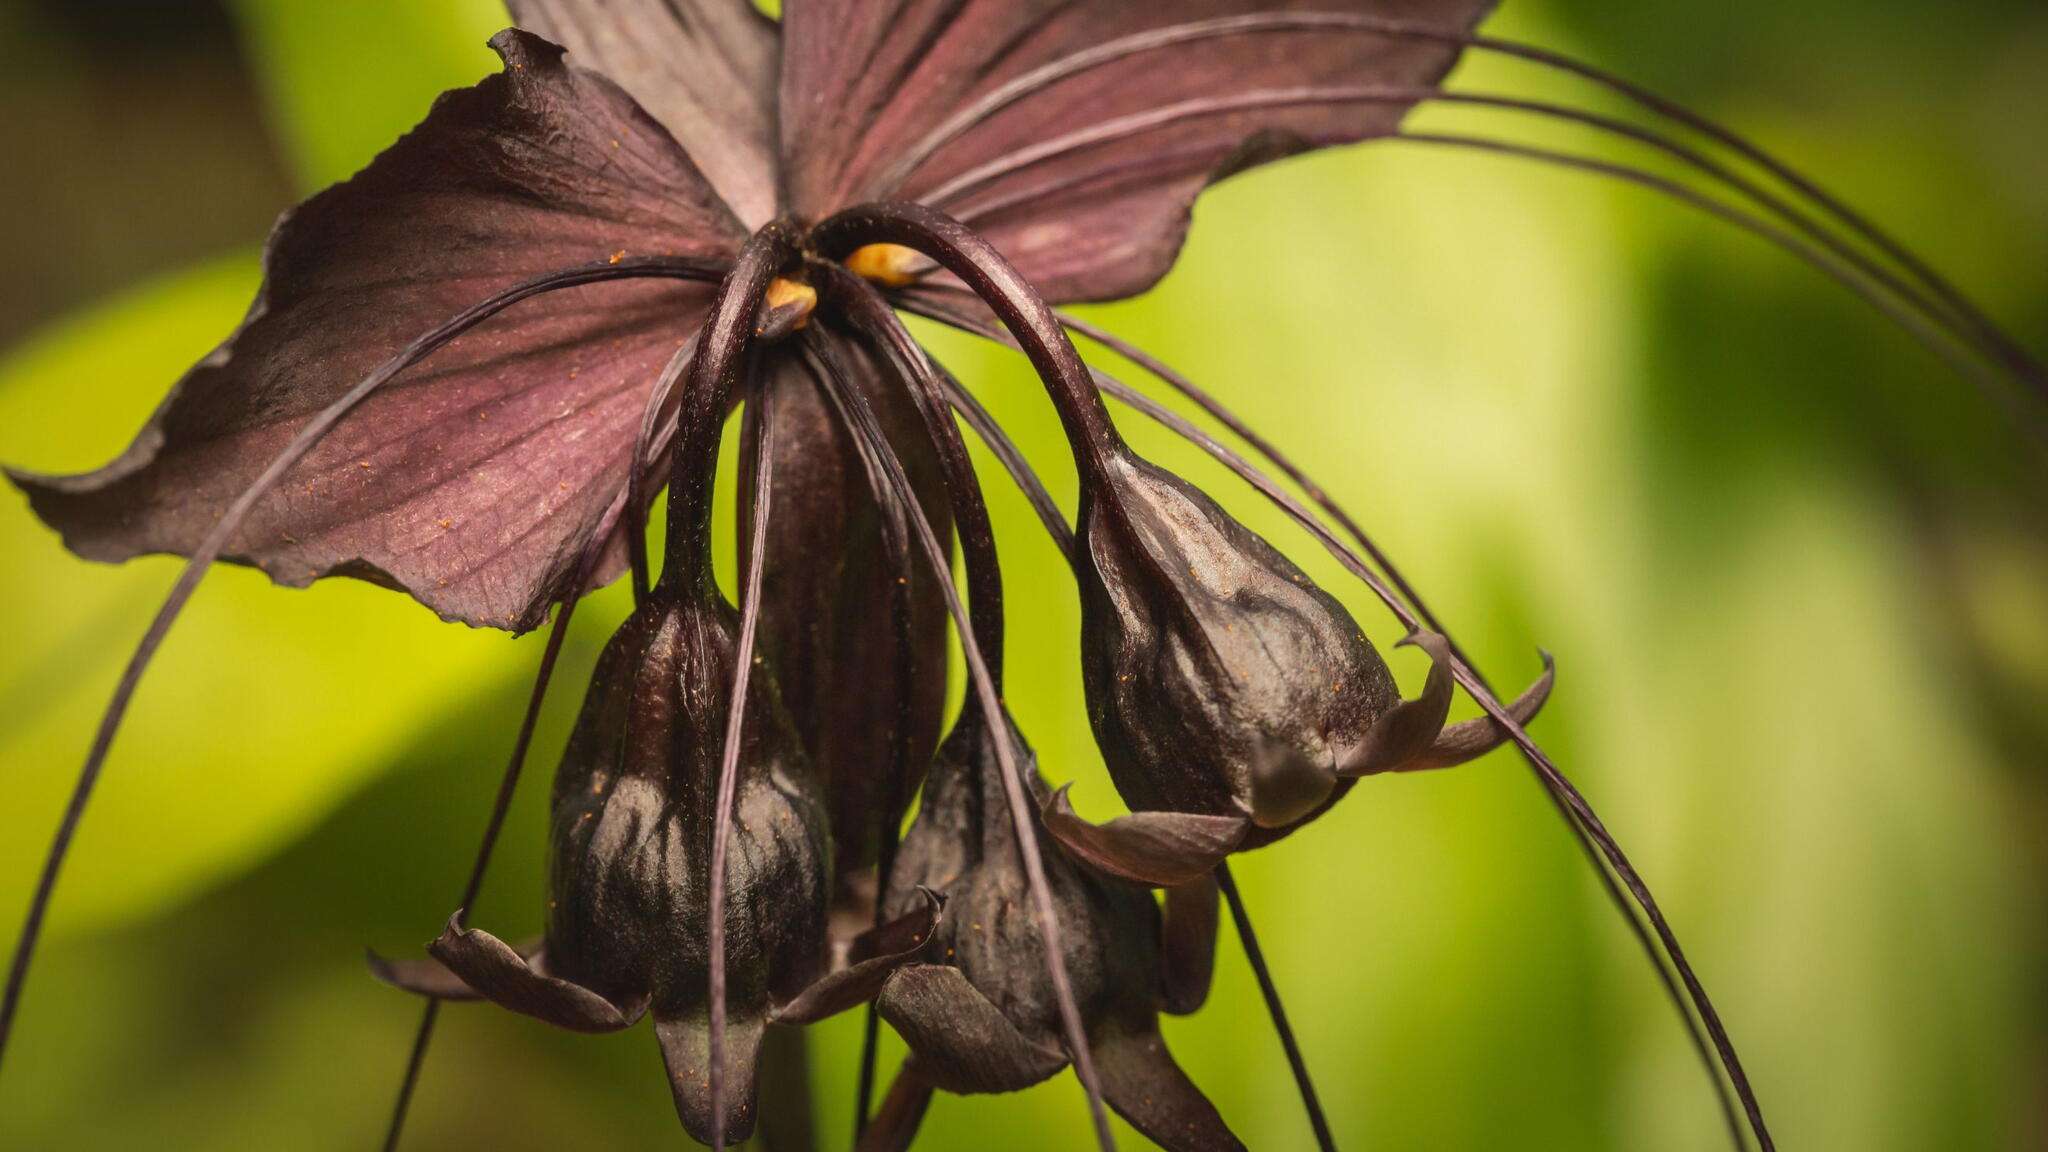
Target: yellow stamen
784	291
786	307
890	265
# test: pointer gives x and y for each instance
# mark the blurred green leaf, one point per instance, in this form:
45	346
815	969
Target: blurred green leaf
266	707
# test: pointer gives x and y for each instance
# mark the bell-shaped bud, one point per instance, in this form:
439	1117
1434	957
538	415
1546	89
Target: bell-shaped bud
981	1014
1225	686
633	812
1210	658
634	808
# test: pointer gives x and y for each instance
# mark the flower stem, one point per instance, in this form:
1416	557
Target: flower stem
1256	957
736	713
967	254
700	417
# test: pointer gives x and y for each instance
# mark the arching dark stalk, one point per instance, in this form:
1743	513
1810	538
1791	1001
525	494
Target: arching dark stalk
230	522
1616	894
501	804
722	345
2008	352
966	254
860	419
876	321
657	429
687	569
970	516
895	531
1553	780
1275	1010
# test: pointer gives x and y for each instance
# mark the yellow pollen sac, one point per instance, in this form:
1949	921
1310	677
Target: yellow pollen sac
890	265
786	308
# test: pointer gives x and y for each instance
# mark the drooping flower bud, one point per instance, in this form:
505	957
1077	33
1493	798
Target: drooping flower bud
980	1017
1224	685
633	813
1206	652
633	816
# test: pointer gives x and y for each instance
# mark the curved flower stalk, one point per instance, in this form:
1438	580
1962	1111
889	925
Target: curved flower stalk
888	476
472	365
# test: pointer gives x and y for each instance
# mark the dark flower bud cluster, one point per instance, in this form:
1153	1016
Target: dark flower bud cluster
701	844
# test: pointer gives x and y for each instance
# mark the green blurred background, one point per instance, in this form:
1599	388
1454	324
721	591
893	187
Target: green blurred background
1794	571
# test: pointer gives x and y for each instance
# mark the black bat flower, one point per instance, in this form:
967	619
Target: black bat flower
472	365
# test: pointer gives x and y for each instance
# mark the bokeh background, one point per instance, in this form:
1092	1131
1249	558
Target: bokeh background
1794	570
